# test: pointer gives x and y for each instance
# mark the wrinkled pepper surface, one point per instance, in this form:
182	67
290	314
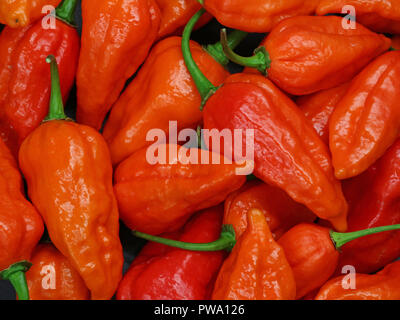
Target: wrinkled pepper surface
69	176
257	15
280	211
160	197
21	225
257	268
366	121
288	153
24	75
52	276
374	199
116	38
381	286
378	15
152	274
318	108
20	13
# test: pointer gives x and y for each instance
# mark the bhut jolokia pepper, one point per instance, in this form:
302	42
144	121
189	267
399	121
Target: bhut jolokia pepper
318	108
280	211
313	252
69	176
20	13
396	42
288	153
162	92
367	119
52	276
257	15
153	273
25	77
116	38
21	225
374	199
304	55
381	286
378	15
160	196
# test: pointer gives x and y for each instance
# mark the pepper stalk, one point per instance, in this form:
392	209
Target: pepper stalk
16	275
66	10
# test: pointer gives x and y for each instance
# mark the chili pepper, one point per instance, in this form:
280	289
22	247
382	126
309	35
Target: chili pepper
175	14
318	108
25	77
152	274
20	13
396	42
374	201
259	15
381	286
304	55
312	252
151	99
367	120
116	38
160	196
378	15
52	276
21	225
288	153
69	176
280	211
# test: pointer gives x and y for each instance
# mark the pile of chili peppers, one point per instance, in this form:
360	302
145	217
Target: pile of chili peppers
318	216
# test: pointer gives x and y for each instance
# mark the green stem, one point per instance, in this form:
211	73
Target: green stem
226	241
204	86
16	275
66	11
56	108
201	2
216	50
392	49
260	61
340	239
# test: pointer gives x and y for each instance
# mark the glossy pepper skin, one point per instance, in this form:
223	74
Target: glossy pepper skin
381	286
374	201
310	54
378	15
153	273
21	225
20	13
25	76
318	108
288	153
367	120
159	93
280	211
158	198
257	268
52	276
116	38
257	15
69	176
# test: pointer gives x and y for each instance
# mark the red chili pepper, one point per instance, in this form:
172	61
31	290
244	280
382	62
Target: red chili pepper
160	272
25	76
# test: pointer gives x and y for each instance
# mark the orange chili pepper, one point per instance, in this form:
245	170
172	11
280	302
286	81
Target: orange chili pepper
257	268
257	15
52	276
116	38
20	13
21	226
157	198
381	286
378	15
318	108
280	211
366	122
304	55
69	176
